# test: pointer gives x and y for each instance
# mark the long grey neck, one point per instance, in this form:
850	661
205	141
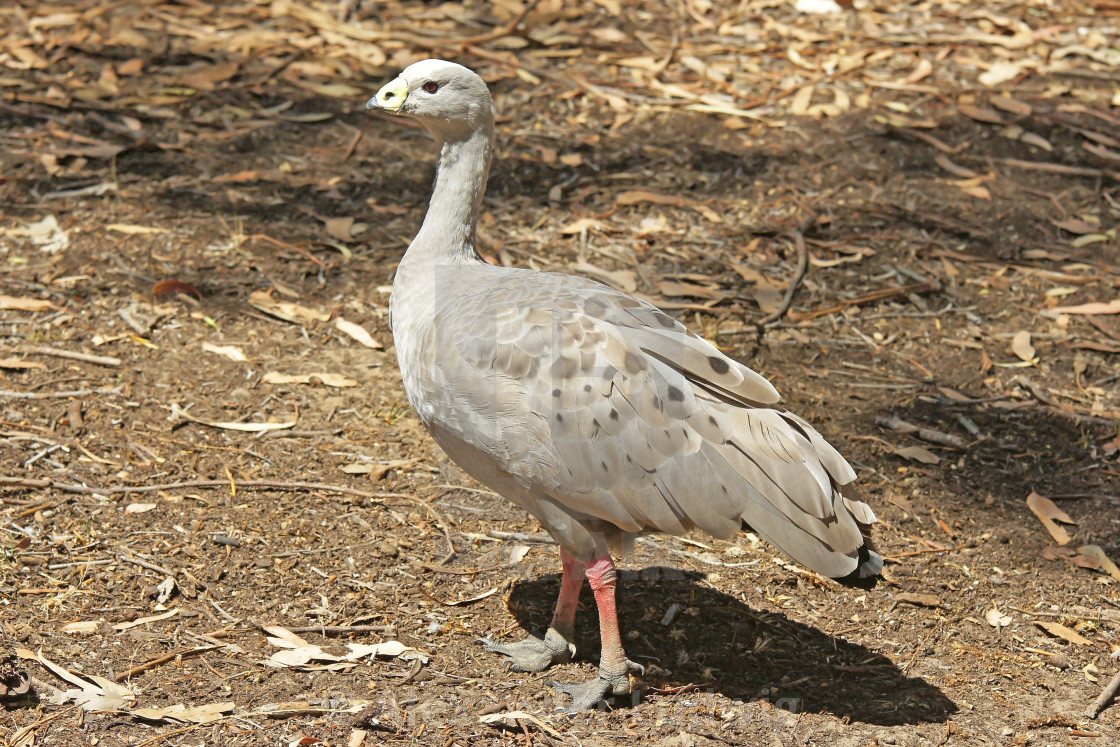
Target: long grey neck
448	233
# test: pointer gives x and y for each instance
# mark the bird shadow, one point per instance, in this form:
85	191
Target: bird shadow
716	643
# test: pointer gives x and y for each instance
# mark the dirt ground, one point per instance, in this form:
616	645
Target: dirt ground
194	201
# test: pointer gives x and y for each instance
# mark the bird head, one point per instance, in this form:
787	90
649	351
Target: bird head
447	98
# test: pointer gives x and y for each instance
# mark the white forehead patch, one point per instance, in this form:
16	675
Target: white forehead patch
434	69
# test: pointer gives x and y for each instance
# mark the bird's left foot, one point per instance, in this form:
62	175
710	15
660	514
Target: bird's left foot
534	654
587	695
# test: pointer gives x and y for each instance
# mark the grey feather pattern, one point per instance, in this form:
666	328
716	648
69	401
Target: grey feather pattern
600	414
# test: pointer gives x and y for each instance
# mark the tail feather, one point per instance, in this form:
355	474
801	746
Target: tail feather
867	573
870	568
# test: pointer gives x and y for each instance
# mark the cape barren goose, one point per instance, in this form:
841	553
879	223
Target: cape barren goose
594	411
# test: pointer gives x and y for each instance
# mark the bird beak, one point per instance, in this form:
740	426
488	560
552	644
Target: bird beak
391	97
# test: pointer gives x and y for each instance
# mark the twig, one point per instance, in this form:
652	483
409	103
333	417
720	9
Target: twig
774	98
969	425
101	360
1059	168
1076	496
917	650
1106	615
499	32
162	660
286	245
1070	412
57	395
39	507
24	482
912	553
446	534
353	143
1104	698
146	564
437	569
29	482
659	67
543	539
343	629
459	602
79	564
41	454
899	425
706	734
173	732
228	617
878	295
798	274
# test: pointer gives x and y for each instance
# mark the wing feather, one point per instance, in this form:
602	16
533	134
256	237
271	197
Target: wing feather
590	408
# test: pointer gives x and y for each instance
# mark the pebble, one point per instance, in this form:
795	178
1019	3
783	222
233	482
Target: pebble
1061	661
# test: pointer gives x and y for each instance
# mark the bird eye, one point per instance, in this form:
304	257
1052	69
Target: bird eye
431	86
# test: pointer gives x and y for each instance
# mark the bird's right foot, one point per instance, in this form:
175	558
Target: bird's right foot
534	654
587	695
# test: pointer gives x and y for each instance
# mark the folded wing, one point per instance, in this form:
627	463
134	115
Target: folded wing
594	406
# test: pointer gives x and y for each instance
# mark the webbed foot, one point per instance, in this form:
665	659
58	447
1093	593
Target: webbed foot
587	695
534	654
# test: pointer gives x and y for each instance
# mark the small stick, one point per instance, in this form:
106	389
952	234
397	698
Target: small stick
173	732
543	539
878	295
969	425
1104	615
1103	699
285	245
162	660
1070	412
798	274
101	360
80	563
25	482
917	650
21	482
437	569
353	144
146	564
439	520
899	425
1075	496
57	395
499	32
1058	168
343	629
912	553
39	507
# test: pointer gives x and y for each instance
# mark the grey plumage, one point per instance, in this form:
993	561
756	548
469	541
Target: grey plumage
601	415
594	411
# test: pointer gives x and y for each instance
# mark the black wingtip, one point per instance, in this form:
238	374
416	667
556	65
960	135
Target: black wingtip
867	573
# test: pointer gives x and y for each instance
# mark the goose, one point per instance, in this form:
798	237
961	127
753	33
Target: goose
594	411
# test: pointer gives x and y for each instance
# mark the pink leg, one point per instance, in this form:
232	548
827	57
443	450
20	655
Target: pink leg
614	667
535	654
602	576
564	619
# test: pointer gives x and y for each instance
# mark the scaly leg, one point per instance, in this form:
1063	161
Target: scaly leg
537	654
614	667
